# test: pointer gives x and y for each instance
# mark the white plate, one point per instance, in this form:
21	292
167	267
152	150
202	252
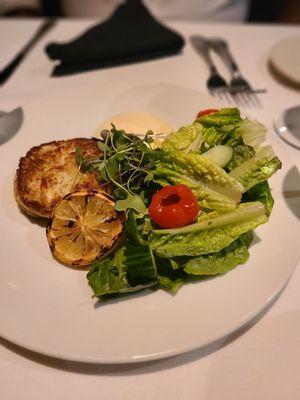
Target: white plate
48	308
285	58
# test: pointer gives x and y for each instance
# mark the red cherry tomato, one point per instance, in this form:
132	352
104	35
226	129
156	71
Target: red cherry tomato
206	112
173	206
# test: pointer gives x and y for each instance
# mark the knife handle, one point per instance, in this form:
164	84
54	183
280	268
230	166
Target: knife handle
10	68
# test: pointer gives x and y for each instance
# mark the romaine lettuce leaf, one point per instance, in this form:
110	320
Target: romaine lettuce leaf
241	154
186	139
168	284
257	169
138	227
260	192
210	183
227	127
208	198
109	275
214	136
206	241
243	212
168	278
214	177
252	132
223	260
225	116
131	268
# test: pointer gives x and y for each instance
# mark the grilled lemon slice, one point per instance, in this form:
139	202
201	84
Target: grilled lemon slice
84	226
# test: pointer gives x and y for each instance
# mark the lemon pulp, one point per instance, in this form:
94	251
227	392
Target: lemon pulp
84	226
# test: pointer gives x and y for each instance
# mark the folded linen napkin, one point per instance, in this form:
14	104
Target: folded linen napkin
130	35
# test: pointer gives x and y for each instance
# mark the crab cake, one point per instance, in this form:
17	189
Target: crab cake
48	172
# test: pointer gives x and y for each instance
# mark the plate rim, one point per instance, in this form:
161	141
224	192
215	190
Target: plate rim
162	354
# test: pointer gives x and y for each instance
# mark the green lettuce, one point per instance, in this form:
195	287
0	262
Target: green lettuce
209	199
186	139
222	261
168	278
131	268
209	240
241	154
225	116
260	192
212	137
211	184
257	169
226	135
252	132
227	127
166	283
227	120
243	212
138	227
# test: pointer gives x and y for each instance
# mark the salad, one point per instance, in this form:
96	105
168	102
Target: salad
188	206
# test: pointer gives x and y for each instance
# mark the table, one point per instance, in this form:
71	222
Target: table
260	361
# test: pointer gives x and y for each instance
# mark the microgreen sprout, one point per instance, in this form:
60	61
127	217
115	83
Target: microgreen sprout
126	162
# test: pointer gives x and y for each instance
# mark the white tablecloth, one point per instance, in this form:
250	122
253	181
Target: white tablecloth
260	362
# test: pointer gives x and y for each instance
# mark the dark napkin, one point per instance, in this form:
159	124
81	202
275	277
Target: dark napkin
130	35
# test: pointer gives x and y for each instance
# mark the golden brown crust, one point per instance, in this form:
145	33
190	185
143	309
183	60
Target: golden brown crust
48	172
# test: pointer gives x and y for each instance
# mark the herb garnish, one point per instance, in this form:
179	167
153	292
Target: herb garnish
126	162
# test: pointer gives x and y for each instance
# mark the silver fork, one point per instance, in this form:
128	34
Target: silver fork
239	87
215	83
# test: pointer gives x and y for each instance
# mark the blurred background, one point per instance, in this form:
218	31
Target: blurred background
268	11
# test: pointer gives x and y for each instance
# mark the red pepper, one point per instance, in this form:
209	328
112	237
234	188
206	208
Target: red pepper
174	206
207	112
